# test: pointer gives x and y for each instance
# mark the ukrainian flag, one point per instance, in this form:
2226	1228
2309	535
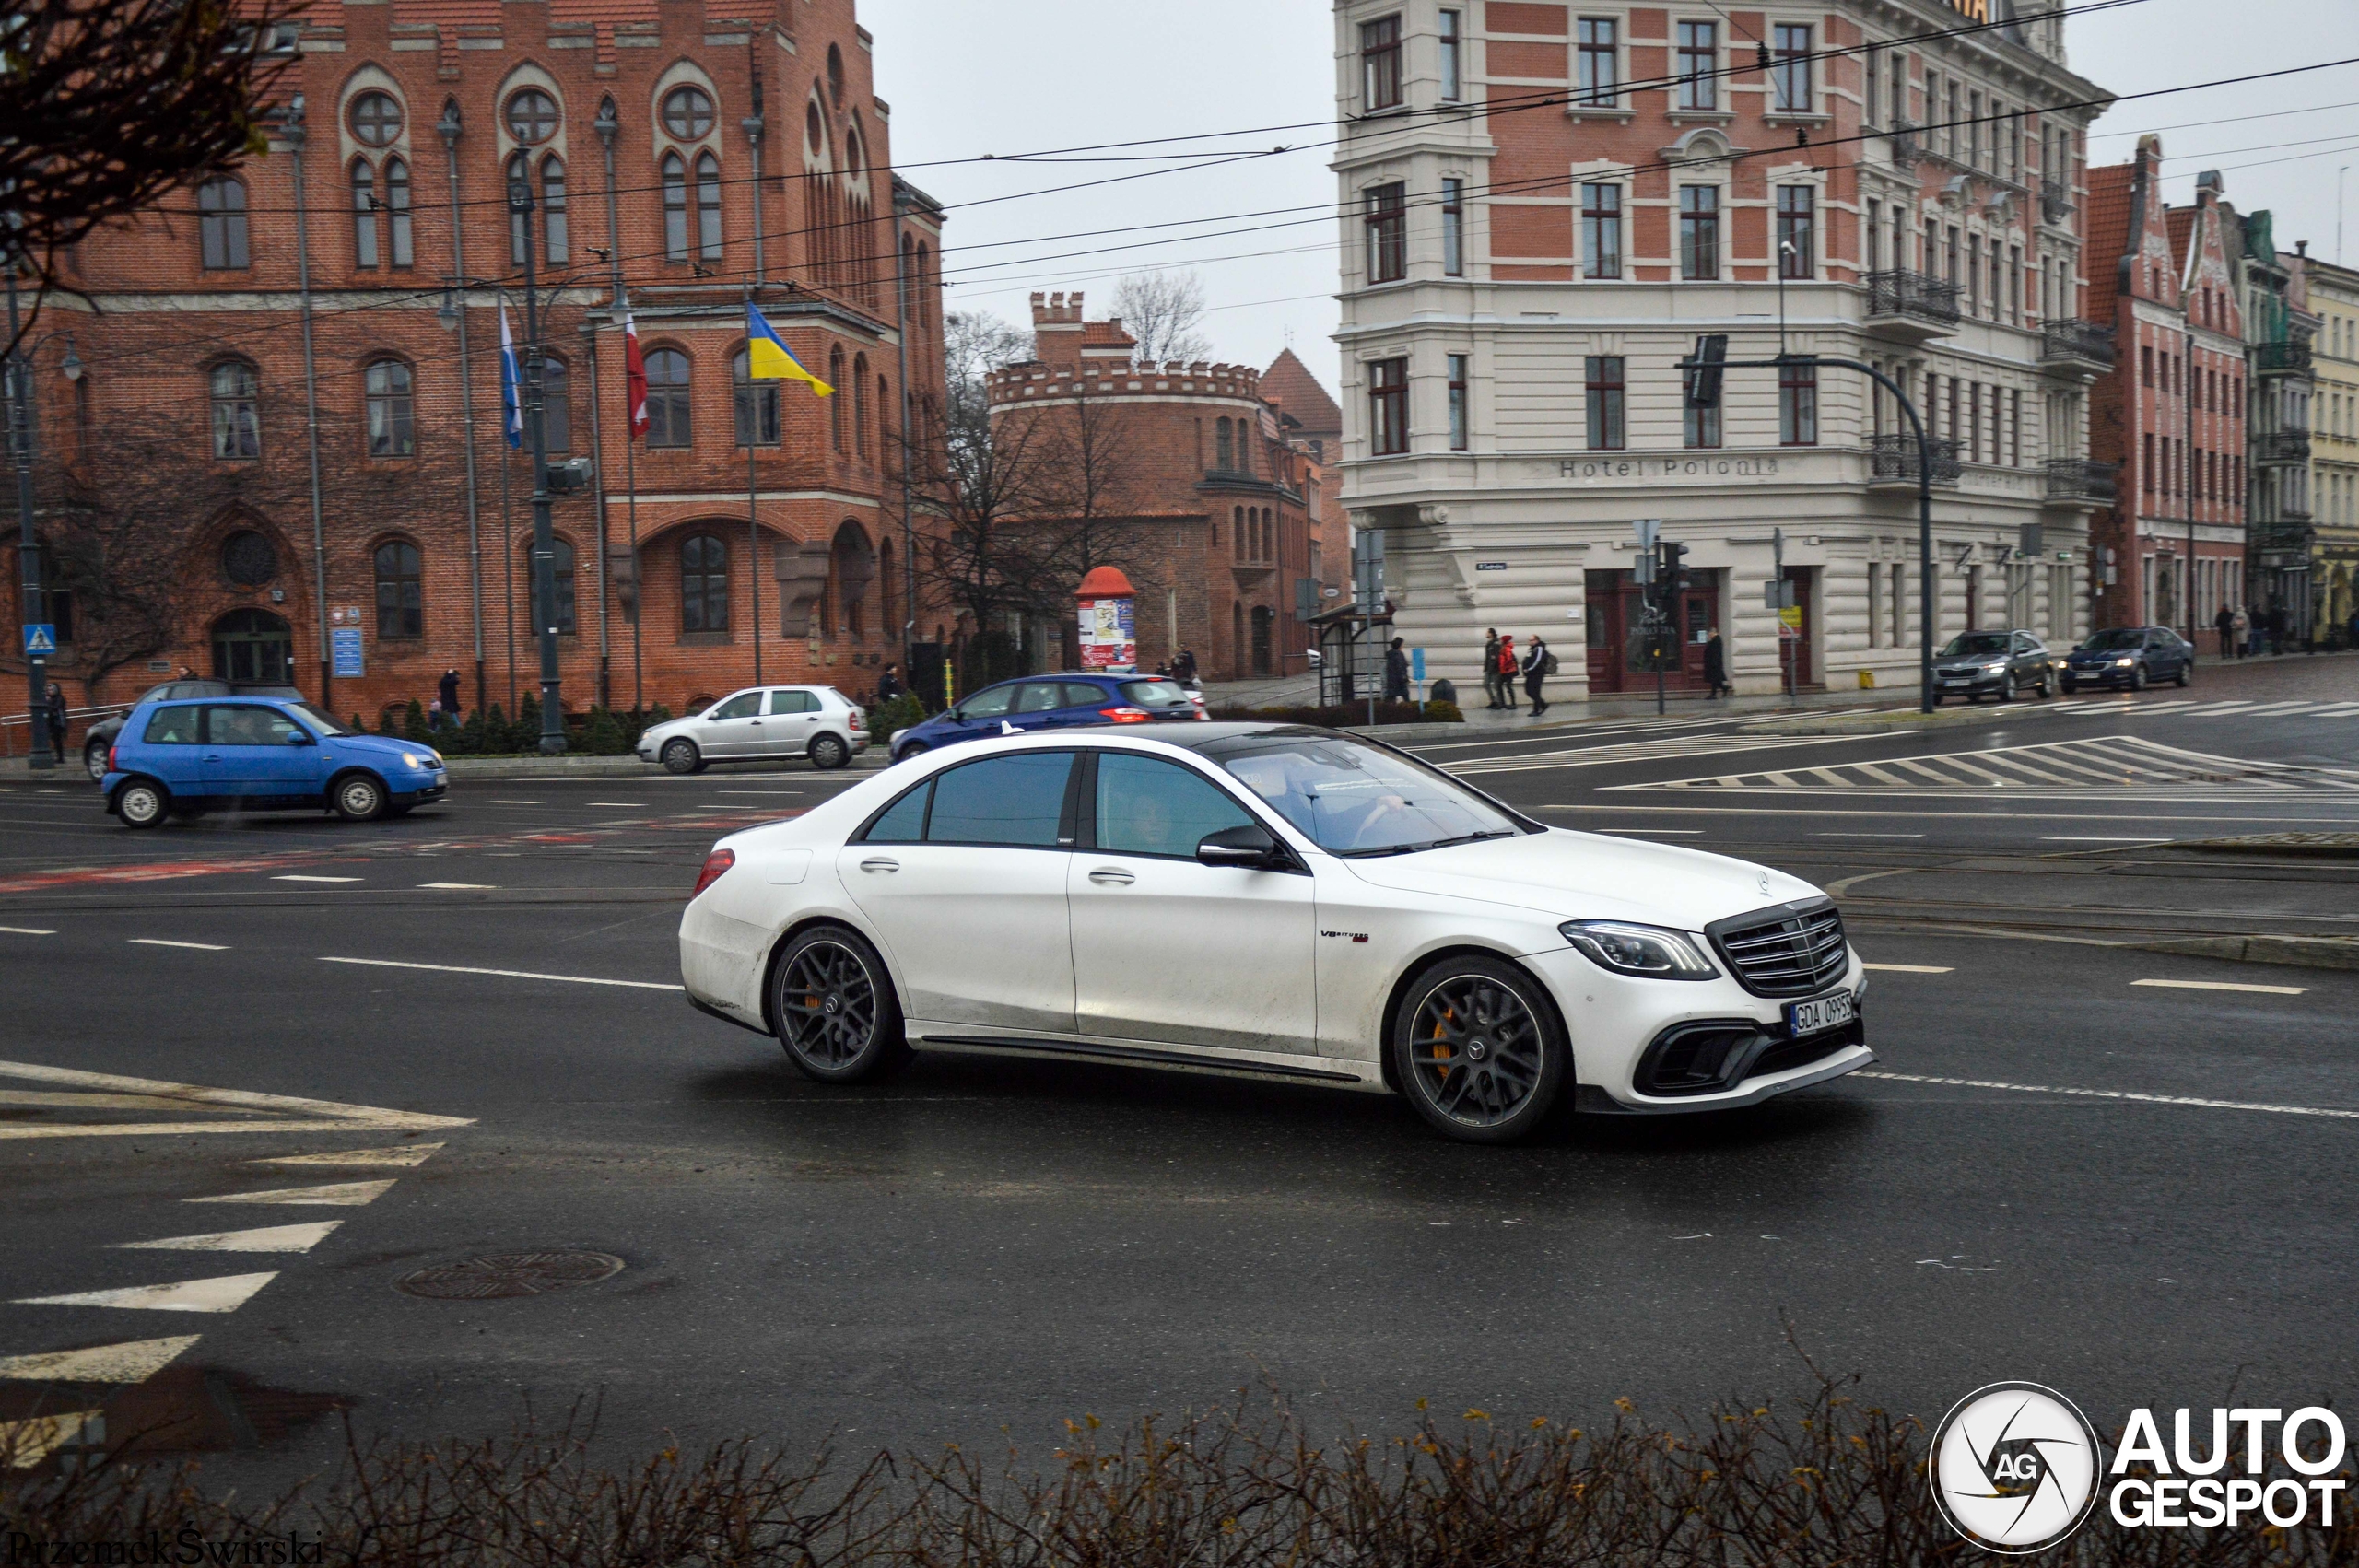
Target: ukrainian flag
768	359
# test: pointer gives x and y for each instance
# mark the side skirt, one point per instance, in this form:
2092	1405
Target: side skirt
1142	1056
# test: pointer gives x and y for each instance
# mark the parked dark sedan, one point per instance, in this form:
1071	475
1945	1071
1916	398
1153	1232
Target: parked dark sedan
2131	657
100	737
1998	664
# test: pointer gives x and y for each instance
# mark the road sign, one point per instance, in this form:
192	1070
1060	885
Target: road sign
1647	528
343	644
40	637
1791	618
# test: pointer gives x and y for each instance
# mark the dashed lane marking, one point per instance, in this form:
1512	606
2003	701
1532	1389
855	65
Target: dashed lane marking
515	802
634	805
1863	833
2223	985
266	1113
262	1238
25	931
131	1360
2112	1095
1654	832
166	941
410	1154
460	886
2095	838
508	973
1912	968
294	876
223	1292
334	1193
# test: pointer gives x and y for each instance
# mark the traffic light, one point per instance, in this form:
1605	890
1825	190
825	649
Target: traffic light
1670	572
1702	376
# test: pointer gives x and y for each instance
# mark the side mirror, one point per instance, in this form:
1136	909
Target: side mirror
301	738
1250	847
955	715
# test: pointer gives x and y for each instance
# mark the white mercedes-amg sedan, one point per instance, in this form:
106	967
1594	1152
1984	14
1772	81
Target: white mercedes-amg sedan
1274	900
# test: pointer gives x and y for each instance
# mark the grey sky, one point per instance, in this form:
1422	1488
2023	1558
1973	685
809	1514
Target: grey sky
965	79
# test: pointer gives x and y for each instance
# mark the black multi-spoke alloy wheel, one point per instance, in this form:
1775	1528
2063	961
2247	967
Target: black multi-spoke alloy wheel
832	1004
1477	1049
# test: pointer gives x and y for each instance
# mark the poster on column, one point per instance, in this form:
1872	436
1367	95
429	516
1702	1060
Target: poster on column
1107	641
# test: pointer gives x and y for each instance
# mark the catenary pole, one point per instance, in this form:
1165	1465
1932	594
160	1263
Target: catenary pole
46	749
543	588
292	132
448	127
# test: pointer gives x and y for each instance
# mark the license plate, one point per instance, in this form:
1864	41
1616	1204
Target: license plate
1816	1016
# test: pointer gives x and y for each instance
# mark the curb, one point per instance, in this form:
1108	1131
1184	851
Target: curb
524	769
2307	952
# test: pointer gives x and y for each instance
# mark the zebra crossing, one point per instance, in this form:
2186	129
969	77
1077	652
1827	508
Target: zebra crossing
1634	751
2121	767
2189	708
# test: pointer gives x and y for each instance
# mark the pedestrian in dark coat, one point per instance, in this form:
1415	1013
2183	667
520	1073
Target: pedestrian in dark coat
1535	671
1491	670
2225	623
56	713
1716	668
888	685
448	693
1396	673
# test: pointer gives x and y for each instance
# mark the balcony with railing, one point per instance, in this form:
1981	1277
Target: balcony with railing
1911	305
2282	358
2289	445
2076	347
1892	461
2079	479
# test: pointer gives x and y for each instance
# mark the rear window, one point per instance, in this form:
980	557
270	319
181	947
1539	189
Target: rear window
172	727
1154	694
1016	800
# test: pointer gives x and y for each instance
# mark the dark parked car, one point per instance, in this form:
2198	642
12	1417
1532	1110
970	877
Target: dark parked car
2132	657
1995	664
101	735
1050	702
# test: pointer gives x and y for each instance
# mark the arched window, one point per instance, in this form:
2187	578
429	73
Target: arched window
556	404
532	117
708	205
757	406
836	76
667	398
376	119
554	249
519	222
392	412
852	165
885	586
676	208
1244	449
221	223
1224	452
561	568
401	605
704	584
688	114
815	133
236	425
925	286
364	214
397	211
860	406
1236	528
835	405
884	419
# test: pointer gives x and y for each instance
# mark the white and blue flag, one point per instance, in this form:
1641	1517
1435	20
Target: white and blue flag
512	403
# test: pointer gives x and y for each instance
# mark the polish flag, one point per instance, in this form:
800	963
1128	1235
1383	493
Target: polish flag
634	376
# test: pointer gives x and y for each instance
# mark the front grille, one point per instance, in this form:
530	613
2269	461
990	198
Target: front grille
1793	949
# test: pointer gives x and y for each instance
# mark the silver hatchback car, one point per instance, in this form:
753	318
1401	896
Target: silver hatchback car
819	722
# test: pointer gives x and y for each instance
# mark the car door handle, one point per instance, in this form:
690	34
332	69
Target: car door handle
1111	876
879	863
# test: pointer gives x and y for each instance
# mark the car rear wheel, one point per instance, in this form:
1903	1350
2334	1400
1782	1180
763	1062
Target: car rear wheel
141	805
1478	1051
833	1007
681	756
829	752
2047	684
914	749
94	759
358	798
2186	673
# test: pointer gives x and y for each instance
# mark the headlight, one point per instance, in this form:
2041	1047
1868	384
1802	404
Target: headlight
413	759
2124	664
1648	951
1994	669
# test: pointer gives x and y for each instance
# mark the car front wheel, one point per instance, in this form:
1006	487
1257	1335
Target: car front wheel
141	805
2138	677
2047	684
680	757
829	752
94	758
2186	673
1478	1051
359	798
833	1007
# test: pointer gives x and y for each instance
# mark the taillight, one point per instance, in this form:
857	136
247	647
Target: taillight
715	863
855	720
1125	715
110	767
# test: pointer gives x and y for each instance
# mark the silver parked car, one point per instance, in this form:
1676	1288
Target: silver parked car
819	722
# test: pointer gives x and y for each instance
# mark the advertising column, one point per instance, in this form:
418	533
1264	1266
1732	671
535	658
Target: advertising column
1109	633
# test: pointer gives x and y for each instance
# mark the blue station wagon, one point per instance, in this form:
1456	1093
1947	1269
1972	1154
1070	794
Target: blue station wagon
261	753
1050	702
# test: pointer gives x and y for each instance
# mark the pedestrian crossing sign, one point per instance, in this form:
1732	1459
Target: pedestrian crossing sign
40	637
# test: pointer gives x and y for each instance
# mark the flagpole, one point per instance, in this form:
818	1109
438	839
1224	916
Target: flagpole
753	517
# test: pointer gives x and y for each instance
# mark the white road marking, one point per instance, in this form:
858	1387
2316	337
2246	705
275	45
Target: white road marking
2111	1095
31	1441
263	1238
131	1360
410	1154
737	792
460	886
292	876
162	941
25	931
515	802
1865	834
223	1292
335	1194
1657	832
638	803
2223	985
66	1097
2126	767
2094	838
297	1116
1912	968
508	974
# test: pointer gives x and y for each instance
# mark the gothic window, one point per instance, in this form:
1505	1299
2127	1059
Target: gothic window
391	409
400	591
236	425
704	584
667	398
221	223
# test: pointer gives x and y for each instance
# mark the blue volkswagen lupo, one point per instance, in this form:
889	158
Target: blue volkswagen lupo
250	754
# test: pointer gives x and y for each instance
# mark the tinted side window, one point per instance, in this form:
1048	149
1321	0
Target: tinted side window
1008	799
1147	806
794	702
745	705
903	822
1081	693
1038	697
173	727
241	726
988	704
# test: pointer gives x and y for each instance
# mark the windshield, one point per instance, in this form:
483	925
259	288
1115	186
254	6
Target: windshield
2119	637
1967	644
326	725
1353	799
1156	693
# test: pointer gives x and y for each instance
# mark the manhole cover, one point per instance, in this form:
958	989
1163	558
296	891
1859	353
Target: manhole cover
509	1274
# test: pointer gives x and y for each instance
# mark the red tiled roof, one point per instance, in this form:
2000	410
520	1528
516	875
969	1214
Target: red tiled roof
1289	381
2181	224
2109	236
1106	334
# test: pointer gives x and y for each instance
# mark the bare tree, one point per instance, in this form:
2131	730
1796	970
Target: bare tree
974	343
1165	312
107	105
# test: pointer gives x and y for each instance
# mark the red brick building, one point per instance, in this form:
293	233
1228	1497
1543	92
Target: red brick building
340	294
2171	412
1212	506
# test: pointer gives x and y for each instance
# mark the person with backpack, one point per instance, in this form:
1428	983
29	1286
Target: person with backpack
1538	665
1504	669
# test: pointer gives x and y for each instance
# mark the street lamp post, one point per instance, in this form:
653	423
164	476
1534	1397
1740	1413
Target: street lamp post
20	445
520	205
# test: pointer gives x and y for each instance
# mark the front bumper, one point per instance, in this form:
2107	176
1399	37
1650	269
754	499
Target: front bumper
436	786
2098	674
1972	683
